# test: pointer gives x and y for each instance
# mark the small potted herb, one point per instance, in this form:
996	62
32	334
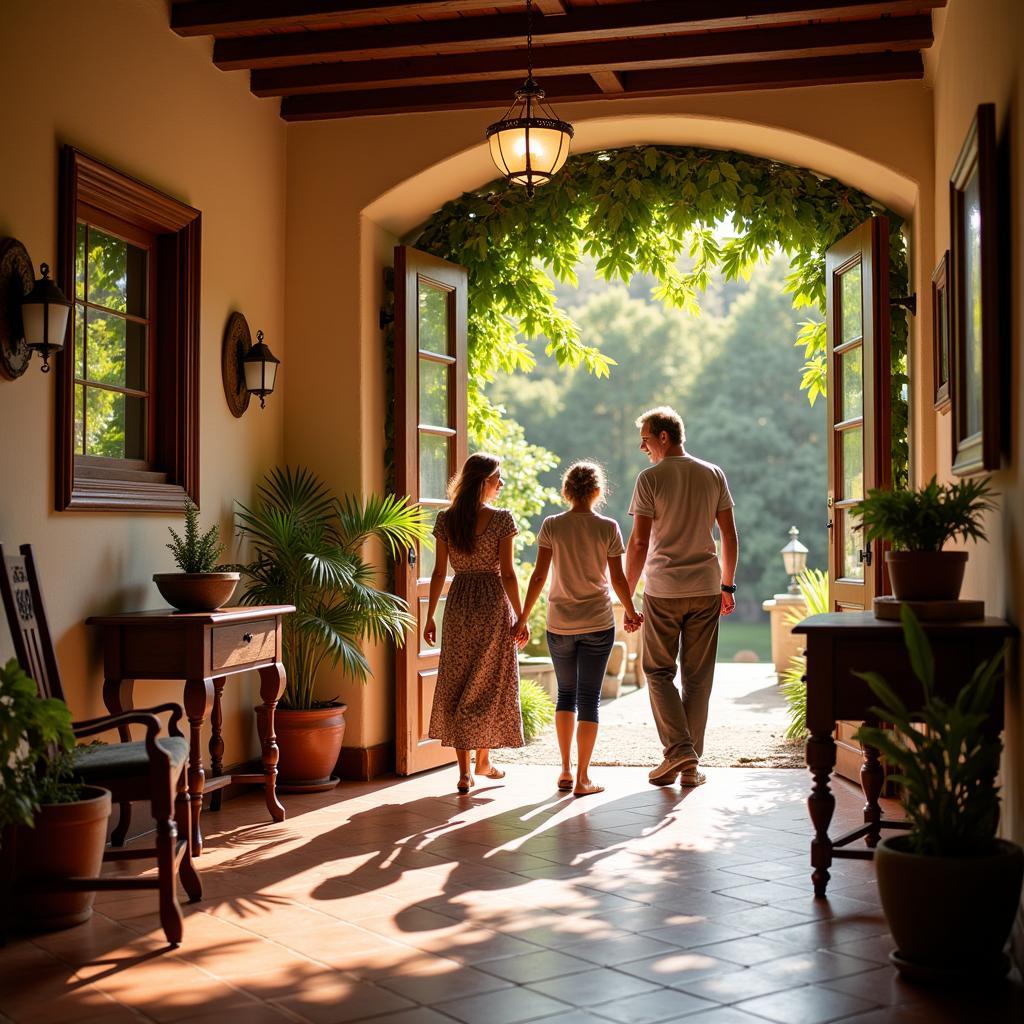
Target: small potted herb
949	887
200	586
50	826
916	524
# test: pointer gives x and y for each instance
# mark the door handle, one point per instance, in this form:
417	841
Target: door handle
828	525
412	557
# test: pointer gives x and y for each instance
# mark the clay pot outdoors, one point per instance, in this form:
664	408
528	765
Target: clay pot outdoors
310	744
66	842
926	575
950	916
196	591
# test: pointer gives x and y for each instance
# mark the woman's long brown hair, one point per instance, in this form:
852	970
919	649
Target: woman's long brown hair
465	490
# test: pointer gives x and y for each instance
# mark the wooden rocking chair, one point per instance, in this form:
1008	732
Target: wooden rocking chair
152	769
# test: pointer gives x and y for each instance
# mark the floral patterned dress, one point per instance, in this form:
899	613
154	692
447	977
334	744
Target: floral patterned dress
476	701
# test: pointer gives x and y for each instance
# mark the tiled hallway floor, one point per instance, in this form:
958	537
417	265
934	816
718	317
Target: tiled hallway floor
404	903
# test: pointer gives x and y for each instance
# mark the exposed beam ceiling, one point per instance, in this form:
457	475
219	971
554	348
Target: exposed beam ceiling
331	59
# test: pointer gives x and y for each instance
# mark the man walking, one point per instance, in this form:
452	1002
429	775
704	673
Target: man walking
676	504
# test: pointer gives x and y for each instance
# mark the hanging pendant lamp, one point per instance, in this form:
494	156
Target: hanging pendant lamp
529	144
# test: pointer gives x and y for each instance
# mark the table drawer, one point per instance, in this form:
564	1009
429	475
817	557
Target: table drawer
243	643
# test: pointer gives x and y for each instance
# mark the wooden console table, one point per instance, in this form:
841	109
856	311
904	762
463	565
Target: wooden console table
204	649
842	643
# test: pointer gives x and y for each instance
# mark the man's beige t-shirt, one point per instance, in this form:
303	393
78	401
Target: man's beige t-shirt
683	496
581	544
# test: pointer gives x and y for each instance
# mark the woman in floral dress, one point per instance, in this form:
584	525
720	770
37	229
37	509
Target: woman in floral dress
476	701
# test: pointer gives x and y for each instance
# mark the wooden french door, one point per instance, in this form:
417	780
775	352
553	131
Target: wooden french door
430	444
859	449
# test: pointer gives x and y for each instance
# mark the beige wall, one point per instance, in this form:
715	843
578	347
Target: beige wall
981	60
356	185
111	79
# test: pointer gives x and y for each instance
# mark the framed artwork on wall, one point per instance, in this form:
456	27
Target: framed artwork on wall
940	333
974	302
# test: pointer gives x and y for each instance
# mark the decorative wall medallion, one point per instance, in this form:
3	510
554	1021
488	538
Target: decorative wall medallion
237	341
16	280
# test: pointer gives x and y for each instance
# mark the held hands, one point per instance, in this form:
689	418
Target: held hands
632	621
521	633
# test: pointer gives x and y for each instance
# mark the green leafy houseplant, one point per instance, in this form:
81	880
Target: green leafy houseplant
195	552
813	584
924	519
948	772
307	547
35	745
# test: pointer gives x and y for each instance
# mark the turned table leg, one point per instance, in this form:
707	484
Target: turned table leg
217	739
272	683
821	758
198	697
872	777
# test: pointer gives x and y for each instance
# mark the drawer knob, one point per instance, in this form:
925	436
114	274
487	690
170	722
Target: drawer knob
247	638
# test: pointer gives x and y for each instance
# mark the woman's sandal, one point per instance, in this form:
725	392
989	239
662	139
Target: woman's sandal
491	773
587	790
565	781
465	783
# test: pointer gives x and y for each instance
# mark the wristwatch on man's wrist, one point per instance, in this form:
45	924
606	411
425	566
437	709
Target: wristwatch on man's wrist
729	588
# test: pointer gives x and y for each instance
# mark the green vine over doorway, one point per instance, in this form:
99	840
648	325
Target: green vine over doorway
638	210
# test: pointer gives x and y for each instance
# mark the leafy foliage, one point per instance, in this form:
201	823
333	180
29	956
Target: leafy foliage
813	584
638	210
537	707
35	740
948	773
924	519
195	552
307	545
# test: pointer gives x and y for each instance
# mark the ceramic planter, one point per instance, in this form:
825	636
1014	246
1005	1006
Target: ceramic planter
66	842
950	916
310	744
926	575
196	591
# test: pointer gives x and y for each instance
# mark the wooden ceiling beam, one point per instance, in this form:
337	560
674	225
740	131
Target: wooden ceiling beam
571	88
889	34
231	17
609	82
500	31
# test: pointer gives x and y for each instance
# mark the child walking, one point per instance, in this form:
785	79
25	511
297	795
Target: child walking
476	700
583	547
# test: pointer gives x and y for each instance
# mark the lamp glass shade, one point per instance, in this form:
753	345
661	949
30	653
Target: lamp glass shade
794	557
260	368
529	145
44	315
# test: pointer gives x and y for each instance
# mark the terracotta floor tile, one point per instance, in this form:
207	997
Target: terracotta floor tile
732	986
808	1005
697	933
338	1001
593	987
506	1006
813	966
617	951
660	1005
678	967
435	987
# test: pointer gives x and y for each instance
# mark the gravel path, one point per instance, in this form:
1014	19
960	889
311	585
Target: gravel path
746	723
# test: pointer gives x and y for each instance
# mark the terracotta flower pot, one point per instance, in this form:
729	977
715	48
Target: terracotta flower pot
926	575
310	744
66	842
950	916
196	591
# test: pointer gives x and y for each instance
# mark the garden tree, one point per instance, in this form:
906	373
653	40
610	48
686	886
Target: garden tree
744	414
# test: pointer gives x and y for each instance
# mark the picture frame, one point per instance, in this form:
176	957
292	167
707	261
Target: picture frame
975	369
941	354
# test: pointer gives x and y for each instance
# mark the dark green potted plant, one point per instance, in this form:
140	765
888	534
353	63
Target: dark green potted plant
50	826
916	524
201	586
307	549
949	887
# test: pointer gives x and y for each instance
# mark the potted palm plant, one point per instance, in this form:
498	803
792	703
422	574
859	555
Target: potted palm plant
200	586
950	889
307	551
916	524
50	826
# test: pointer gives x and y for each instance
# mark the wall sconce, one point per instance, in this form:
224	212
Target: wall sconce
794	558
247	369
33	314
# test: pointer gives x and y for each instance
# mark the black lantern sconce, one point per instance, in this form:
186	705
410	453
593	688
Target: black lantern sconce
247	369
33	314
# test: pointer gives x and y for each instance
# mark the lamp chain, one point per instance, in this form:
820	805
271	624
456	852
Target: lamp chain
529	40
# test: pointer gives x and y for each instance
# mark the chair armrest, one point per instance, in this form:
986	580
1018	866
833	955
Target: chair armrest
92	726
174	710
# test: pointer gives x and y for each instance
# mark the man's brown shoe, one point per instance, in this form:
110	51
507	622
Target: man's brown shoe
666	772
